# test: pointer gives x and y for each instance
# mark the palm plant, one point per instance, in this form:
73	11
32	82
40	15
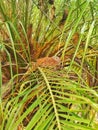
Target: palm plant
36	93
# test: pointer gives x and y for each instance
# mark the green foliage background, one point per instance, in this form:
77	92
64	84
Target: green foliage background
48	98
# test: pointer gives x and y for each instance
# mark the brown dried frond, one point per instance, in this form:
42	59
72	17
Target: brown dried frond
52	12
64	17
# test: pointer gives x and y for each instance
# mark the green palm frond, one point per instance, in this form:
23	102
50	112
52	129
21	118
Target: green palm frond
34	93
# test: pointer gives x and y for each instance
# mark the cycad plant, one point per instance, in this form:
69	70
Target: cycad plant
48	65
